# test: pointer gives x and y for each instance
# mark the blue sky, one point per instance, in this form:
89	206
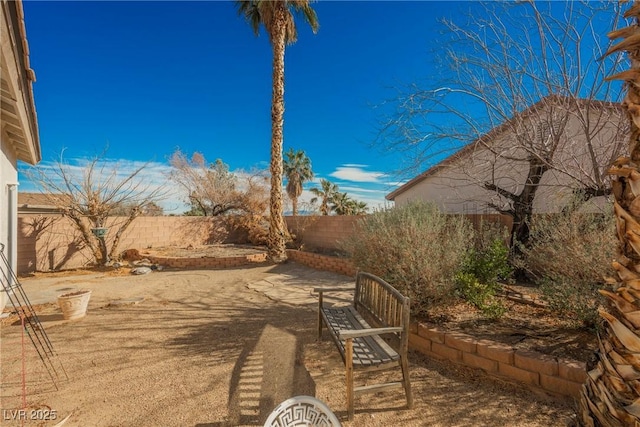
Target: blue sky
148	77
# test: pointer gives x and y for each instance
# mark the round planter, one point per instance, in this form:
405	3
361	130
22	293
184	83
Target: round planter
74	304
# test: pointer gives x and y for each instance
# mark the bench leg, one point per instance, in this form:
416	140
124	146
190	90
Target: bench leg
348	357
320	317
406	381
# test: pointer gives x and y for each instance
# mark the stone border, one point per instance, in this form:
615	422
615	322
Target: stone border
323	262
563	377
207	262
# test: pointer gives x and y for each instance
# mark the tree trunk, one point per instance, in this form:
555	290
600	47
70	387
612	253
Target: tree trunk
611	394
113	253
523	205
294	203
276	241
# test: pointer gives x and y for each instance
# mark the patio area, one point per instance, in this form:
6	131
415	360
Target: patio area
223	348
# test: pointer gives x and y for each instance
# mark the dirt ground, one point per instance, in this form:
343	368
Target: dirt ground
206	349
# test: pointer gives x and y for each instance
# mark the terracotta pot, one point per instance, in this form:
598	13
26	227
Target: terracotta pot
74	304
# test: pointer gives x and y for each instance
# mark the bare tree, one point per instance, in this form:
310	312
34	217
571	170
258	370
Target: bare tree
212	190
92	195
531	71
209	188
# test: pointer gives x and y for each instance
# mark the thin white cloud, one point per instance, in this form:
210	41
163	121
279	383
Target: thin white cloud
154	177
396	183
350	189
356	174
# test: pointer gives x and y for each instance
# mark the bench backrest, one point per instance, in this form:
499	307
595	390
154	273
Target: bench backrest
381	303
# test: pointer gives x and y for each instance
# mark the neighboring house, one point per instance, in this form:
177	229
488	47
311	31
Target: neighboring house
37	203
584	137
18	126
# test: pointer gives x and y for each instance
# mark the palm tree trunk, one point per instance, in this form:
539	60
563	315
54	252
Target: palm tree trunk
611	394
294	203
277	252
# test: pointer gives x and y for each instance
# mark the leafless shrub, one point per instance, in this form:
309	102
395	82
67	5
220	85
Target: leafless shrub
570	256
416	247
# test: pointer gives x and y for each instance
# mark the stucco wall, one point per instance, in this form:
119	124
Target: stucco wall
458	185
8	176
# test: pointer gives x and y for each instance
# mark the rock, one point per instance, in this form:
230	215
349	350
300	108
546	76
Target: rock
131	255
141	270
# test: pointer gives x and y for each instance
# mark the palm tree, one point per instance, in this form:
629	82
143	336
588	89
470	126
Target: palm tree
359	208
325	193
342	204
345	205
277	18
297	169
611	395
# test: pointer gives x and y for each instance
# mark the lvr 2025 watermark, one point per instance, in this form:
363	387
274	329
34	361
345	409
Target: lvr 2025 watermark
29	414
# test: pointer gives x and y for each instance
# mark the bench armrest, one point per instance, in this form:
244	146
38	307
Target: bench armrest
321	290
368	332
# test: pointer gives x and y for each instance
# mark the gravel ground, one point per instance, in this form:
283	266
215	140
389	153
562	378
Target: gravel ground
204	349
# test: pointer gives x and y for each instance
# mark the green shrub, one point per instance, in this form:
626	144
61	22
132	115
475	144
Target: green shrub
488	261
416	247
484	266
569	256
480	294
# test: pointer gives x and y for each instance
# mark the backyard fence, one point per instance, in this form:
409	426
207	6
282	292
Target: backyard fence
48	242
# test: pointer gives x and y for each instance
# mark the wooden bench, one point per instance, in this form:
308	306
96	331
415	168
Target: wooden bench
377	303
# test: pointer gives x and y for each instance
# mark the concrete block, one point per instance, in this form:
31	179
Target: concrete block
572	370
449	353
518	374
560	385
420	344
475	361
460	341
499	352
536	362
433	333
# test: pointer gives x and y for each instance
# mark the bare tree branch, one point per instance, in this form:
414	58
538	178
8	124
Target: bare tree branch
522	97
93	193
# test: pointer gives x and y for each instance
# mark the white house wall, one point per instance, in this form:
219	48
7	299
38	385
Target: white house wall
19	138
8	230
458	185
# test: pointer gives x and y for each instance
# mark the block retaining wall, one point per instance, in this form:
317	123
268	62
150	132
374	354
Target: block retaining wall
323	262
207	262
538	371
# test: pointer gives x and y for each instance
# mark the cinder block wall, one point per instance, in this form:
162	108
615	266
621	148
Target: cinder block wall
322	232
322	262
535	370
52	243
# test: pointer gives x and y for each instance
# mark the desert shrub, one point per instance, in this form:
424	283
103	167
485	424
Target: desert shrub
416	247
488	260
569	256
480	294
575	302
485	264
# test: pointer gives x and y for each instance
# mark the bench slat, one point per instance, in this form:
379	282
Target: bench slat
367	351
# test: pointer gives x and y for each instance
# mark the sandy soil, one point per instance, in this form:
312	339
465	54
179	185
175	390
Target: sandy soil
218	250
205	349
